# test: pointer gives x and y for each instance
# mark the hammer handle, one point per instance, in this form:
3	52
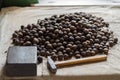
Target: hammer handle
81	61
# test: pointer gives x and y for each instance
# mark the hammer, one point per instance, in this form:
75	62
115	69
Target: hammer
52	66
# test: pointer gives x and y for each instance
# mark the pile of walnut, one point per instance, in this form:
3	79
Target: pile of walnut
68	35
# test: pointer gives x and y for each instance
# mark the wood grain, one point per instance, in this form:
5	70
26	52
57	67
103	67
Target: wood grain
81	61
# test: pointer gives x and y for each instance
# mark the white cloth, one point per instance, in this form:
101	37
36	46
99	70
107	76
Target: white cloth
11	19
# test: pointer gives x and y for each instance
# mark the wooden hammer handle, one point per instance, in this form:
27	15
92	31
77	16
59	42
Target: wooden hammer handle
82	60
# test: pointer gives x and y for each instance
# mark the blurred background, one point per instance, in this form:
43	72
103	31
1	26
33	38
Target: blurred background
6	3
78	2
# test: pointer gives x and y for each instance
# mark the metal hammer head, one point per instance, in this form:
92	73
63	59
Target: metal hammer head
51	65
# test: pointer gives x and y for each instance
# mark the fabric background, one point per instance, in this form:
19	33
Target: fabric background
11	19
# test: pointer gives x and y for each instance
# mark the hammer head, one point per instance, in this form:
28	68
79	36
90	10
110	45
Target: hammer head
51	65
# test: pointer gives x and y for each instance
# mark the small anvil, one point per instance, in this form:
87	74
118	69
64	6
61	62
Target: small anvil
21	61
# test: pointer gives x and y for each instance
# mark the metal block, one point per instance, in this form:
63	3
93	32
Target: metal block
21	61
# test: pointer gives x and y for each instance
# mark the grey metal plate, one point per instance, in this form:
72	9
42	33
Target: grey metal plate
22	55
